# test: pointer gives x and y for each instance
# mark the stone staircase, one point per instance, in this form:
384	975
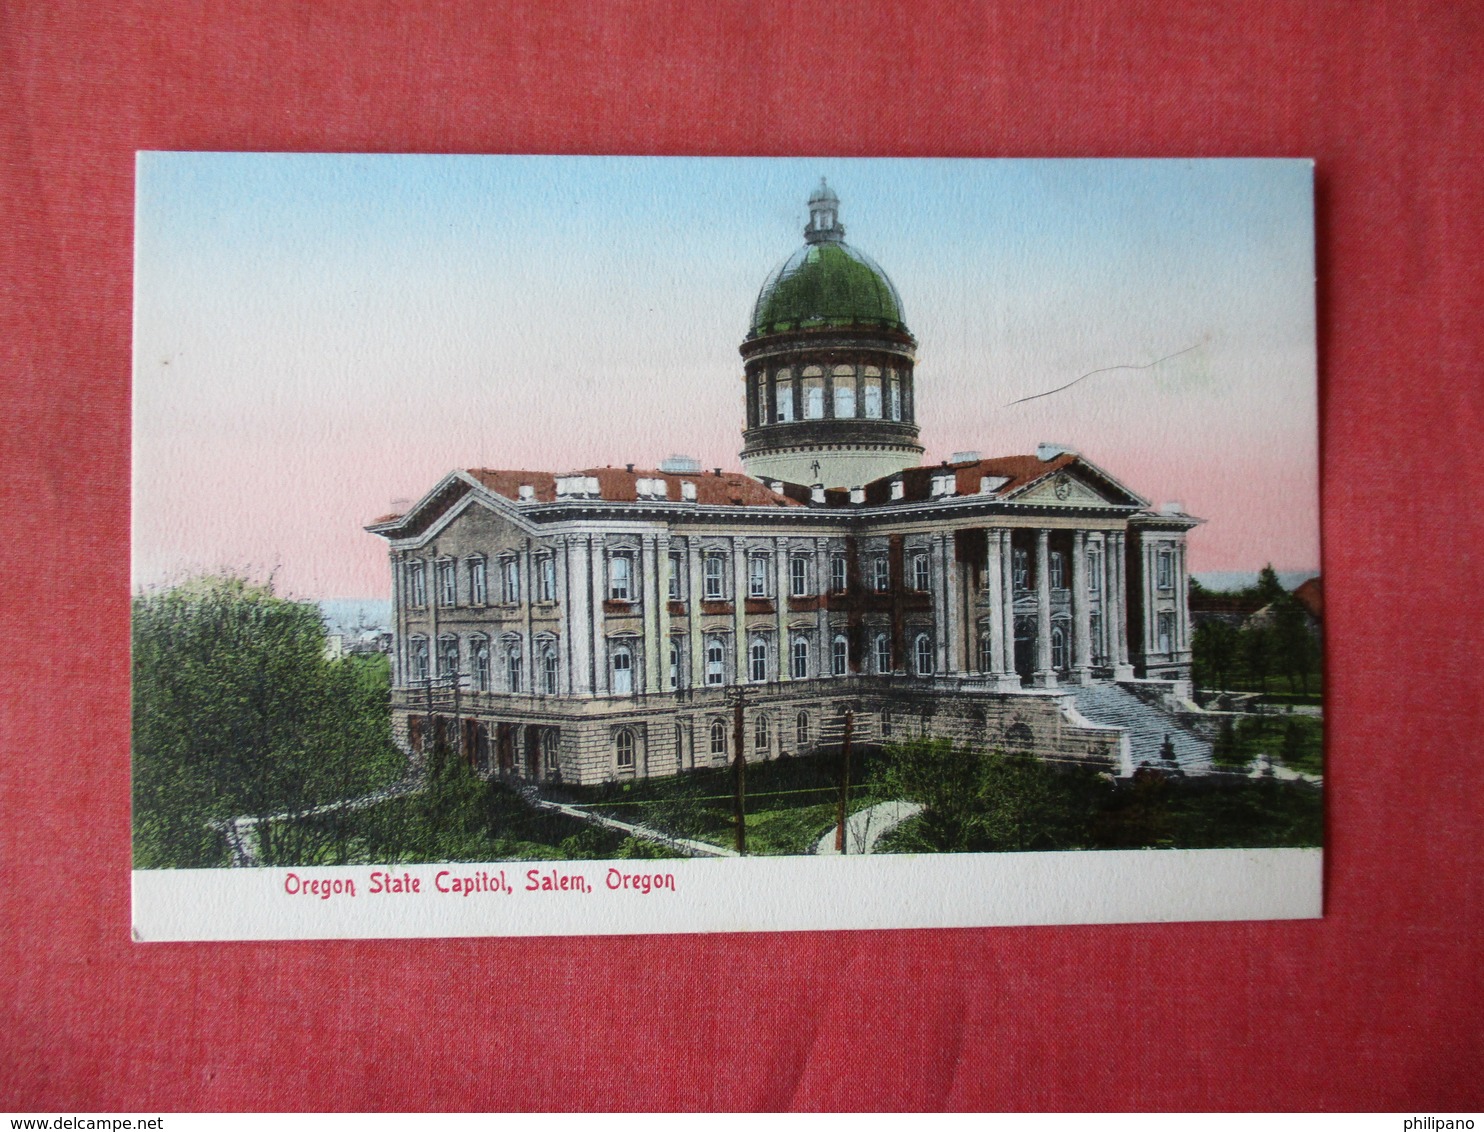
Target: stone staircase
1146	725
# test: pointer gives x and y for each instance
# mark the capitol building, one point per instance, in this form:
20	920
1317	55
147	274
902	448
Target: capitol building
596	624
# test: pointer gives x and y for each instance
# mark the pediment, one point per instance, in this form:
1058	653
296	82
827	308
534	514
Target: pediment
1067	488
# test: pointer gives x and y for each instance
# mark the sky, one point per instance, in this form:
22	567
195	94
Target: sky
320	338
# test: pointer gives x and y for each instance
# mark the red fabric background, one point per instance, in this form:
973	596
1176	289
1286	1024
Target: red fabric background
1380	1005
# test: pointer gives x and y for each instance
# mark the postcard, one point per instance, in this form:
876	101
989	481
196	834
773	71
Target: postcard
574	545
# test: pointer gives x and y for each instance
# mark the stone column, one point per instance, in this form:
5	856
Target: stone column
1007	601
1045	677
656	657
739	611
953	605
822	654
693	612
662	607
994	589
1118	594
576	595
942	610
529	662
597	586
1182	600
1081	614
781	590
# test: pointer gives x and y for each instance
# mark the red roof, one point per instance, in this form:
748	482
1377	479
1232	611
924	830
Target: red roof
619	485
1311	594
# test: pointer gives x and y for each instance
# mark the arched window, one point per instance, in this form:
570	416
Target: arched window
623	671
715	577
871	392
1058	646
883	653
512	666
417	658
718	740
844	391
921	577
549	670
551	750
1018	737
716	656
923	650
801	730
623	749
620	577
894	395
448	656
799	655
839	656
798	576
784	396
757	575
813	387
880	574
757	661
481	652
760	732
674	663
986	653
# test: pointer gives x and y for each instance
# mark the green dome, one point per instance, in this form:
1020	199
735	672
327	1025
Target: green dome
827	284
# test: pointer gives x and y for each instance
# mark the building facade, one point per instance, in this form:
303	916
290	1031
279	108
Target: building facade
602	623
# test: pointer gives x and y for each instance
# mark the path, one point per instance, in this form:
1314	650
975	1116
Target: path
866	827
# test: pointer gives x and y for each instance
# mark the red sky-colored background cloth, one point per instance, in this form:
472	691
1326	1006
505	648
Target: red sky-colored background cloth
1378	1006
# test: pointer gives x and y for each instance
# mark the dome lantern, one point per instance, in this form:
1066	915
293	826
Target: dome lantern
824	216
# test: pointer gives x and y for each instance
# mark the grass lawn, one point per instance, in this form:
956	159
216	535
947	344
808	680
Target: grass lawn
1296	741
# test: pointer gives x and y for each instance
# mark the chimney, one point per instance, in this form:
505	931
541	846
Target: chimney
898	489
816	493
629	468
688	491
527	493
857	495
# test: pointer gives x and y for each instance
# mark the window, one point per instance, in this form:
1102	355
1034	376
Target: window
417	584
882	649
447	584
718	739
513	669
762	400
801	730
838	573
871	393
715	661
839	656
1094	570
715	573
798	576
784	397
1059	658
923	650
757	575
620	577
677	564
549	670
417	658
510	580
1095	631
478	590
880	574
757	661
481	654
921	580
986	653
799	658
1166	631
760	733
545	578
674	663
894	396
1058	562
844	391
448	656
813	387
1165	570
623	671
551	753
1021	568
623	749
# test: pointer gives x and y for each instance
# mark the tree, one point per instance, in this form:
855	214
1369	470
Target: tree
1294	647
237	713
1214	650
1257	653
1268	588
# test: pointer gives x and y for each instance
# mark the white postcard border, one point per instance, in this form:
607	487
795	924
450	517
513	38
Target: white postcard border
744	895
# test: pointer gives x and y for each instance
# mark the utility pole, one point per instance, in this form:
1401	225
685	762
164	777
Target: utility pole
739	776
844	785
